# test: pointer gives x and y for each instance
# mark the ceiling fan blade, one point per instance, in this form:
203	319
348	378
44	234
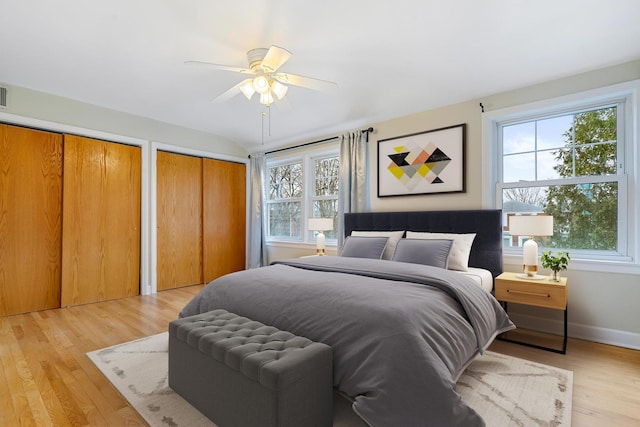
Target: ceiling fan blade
221	67
227	95
275	57
308	82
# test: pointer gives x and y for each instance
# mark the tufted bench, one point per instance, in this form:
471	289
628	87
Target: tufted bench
241	373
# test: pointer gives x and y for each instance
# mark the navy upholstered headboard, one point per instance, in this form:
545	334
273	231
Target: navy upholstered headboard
486	251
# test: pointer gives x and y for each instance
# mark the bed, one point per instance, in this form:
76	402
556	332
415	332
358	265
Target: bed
485	258
401	332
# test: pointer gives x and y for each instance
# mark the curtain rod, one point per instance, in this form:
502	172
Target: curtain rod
367	130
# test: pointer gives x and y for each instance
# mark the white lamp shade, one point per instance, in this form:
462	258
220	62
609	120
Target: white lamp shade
531	225
261	84
266	98
279	89
320	224
247	88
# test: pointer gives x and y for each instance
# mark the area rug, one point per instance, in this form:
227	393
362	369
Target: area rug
506	391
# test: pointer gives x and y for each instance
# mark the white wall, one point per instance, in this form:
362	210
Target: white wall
28	103
602	306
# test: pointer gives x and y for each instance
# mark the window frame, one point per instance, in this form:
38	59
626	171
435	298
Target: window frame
626	97
307	157
311	197
268	201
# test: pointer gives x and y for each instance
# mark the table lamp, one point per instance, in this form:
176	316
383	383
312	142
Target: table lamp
319	225
531	226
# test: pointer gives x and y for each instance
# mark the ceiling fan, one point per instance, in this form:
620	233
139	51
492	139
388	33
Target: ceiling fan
266	80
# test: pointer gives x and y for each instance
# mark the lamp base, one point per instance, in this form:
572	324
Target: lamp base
320	252
530	270
534	277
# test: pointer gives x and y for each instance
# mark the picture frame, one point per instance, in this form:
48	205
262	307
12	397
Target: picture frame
430	162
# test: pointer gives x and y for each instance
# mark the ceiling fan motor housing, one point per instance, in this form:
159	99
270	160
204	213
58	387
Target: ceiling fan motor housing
255	57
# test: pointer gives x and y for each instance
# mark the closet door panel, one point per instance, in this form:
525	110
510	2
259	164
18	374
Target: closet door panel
30	219
179	220
224	218
101	221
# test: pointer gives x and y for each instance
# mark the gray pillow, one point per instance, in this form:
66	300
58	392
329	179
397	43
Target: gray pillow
434	252
394	238
364	247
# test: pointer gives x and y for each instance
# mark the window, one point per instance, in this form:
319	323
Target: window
286	186
568	160
299	188
324	197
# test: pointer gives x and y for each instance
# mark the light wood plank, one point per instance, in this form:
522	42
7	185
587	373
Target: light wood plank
224	218
179	210
45	406
101	221
30	219
18	378
8	385
46	377
53	343
606	380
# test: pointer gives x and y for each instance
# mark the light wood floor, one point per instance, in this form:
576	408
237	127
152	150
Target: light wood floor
46	378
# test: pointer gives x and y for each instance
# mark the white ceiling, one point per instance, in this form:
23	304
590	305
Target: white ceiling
388	58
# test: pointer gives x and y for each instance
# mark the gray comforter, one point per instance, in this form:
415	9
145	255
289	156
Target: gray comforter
401	333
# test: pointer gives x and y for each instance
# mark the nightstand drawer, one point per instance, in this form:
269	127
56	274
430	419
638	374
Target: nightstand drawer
512	287
542	294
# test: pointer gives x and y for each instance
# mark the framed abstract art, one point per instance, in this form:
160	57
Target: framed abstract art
423	163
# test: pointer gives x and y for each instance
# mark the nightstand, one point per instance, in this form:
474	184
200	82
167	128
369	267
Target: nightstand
509	287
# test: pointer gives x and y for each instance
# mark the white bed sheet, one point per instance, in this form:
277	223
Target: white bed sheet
481	276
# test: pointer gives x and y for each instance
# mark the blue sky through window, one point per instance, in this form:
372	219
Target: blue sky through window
521	142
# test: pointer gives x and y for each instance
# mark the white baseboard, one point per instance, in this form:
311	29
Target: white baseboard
580	331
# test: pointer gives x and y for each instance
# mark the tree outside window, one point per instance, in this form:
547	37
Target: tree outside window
566	166
325	197
284	201
299	189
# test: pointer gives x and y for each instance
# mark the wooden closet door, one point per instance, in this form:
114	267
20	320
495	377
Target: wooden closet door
30	219
179	217
224	218
101	221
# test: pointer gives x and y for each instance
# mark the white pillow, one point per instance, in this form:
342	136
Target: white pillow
394	237
460	250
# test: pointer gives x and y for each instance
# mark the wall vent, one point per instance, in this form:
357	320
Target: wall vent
4	97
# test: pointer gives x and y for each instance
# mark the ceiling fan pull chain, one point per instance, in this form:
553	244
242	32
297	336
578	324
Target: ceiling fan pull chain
262	127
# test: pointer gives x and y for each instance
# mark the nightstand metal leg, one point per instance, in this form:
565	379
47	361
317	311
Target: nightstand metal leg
555	350
564	341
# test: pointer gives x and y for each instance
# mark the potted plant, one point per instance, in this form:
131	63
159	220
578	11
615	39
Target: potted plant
556	263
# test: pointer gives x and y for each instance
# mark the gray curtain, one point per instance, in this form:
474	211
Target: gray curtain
257	238
354	194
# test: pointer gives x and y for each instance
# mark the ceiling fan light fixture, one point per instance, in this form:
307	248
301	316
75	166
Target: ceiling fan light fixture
265	78
279	89
266	98
247	88
261	85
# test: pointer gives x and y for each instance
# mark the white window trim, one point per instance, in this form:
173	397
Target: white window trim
630	91
280	161
307	156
